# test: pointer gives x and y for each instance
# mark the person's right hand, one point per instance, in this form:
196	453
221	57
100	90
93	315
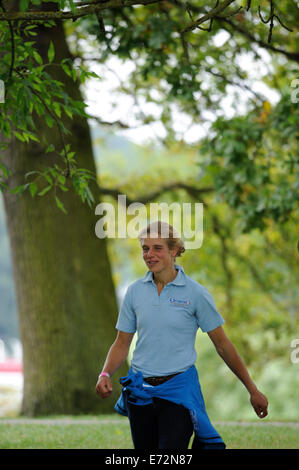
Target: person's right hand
104	387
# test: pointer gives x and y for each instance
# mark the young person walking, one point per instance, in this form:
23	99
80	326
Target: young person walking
161	394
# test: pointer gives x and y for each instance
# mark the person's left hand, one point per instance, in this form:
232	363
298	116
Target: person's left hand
259	403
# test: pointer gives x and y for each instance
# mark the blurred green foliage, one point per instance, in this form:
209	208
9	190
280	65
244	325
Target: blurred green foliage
249	257
252	277
253	161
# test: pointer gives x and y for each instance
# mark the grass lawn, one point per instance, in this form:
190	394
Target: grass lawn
110	432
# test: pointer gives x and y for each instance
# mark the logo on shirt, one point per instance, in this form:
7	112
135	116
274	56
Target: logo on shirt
178	302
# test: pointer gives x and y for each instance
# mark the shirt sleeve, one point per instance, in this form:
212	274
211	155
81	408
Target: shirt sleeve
126	318
207	315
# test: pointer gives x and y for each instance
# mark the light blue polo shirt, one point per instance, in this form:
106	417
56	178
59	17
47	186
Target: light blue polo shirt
166	324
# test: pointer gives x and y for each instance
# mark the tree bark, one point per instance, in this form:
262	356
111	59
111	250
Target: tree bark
66	299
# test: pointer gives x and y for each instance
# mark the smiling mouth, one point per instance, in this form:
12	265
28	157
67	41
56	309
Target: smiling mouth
151	263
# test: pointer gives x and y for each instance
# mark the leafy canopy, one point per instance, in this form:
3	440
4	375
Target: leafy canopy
178	67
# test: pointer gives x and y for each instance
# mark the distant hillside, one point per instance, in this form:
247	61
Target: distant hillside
118	156
105	144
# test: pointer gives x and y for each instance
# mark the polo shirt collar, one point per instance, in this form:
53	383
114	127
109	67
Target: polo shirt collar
178	281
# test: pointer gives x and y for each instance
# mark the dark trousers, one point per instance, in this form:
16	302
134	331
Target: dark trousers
160	425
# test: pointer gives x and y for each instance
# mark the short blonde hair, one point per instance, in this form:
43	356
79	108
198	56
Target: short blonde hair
164	230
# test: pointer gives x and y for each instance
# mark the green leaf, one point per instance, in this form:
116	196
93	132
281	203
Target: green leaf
56	108
50	148
19	189
6	129
30	173
37	57
93	74
6	172
70	156
51	52
74	74
72	6
23	5
67	69
32	137
89	194
60	205
61	179
44	191
19	136
33	188
68	112
49	120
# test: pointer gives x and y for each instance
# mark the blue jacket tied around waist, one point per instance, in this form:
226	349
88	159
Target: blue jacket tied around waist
183	389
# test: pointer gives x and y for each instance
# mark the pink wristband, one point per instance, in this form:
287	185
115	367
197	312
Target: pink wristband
104	374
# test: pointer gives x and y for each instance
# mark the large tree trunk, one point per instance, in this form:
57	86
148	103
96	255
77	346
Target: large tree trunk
66	299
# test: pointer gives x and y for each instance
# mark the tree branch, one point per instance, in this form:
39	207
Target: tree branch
12	42
236	27
208	16
145	199
224	234
92	8
243	86
271	20
117	123
218	230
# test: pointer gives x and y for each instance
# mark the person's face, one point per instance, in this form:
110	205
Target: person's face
156	254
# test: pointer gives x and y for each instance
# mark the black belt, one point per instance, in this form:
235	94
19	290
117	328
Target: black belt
159	380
